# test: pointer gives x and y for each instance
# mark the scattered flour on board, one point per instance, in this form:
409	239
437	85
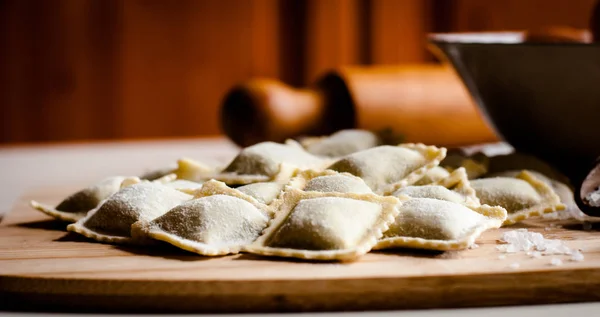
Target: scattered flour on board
536	245
556	262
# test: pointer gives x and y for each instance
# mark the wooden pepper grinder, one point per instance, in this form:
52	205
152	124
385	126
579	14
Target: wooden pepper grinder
419	103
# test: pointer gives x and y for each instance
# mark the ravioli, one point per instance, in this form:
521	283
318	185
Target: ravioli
341	143
325	226
220	221
564	191
523	196
157	173
427	223
268	161
165	179
454	188
265	192
433	175
192	170
386	168
111	221
475	165
329	181
77	205
184	185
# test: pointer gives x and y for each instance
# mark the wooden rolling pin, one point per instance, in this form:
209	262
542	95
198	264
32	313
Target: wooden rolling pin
420	103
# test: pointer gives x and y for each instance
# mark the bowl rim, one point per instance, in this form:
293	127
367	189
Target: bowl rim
503	38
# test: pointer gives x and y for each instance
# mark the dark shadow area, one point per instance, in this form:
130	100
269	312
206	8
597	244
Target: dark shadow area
252	257
74	237
50	224
583	226
166	251
430	254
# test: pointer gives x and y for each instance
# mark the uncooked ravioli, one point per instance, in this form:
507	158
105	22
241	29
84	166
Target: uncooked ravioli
264	192
454	188
430	191
564	191
211	225
385	168
433	175
77	205
325	226
342	143
427	223
523	196
268	161
329	181
111	221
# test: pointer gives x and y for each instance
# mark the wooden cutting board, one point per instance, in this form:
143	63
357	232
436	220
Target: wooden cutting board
44	267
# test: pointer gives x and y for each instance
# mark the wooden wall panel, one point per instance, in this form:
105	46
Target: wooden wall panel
475	15
332	35
59	77
104	69
181	57
398	31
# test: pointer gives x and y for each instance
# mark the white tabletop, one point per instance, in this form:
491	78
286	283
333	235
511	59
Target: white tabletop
28	167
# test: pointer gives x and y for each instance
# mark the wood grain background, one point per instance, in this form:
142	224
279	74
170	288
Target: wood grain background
114	69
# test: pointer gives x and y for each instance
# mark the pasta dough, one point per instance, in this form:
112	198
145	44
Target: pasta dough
77	205
219	221
111	221
433	175
325	226
265	192
386	168
475	165
268	161
329	181
192	170
523	196
564	192
427	223
157	173
454	188
341	143
184	185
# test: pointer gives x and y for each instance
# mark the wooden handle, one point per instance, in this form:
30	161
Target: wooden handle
268	110
422	103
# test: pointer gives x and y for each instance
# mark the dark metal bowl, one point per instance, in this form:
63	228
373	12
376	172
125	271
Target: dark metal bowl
542	98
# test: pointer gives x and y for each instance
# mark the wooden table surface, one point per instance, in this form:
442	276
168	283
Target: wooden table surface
27	168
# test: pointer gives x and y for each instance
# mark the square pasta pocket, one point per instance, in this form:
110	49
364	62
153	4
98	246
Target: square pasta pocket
325	226
269	161
455	188
341	143
219	220
523	196
329	181
386	168
111	221
77	205
427	223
